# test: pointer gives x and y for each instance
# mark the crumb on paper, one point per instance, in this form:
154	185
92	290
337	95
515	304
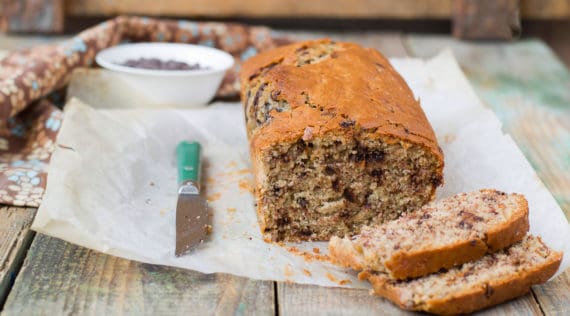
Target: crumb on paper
331	277
211	180
214	197
288	270
245	185
448	138
151	184
316	250
243	171
234	173
308	256
163	211
231	164
231	209
307	272
208	229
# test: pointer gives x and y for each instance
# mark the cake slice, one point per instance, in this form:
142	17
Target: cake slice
491	280
439	235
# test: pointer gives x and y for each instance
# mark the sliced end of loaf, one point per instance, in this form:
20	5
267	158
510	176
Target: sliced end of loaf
491	280
333	185
440	235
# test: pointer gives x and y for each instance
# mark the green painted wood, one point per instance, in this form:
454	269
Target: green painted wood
59	278
15	238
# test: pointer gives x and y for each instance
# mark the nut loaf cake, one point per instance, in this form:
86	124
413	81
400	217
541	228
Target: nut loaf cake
493	279
337	140
440	235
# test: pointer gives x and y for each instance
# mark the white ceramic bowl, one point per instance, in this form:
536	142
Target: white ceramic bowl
170	87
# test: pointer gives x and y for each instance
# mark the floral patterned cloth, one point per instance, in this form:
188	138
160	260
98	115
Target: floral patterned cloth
32	83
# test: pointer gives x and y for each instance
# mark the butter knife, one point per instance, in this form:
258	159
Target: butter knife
192	218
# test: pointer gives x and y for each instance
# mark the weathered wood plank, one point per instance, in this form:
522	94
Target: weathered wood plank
296	299
403	9
526	305
260	8
554	297
15	238
60	278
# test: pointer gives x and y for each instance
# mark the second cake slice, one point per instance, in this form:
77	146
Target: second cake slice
440	235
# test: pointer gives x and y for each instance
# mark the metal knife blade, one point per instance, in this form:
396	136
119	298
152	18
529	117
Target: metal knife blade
192	216
192	222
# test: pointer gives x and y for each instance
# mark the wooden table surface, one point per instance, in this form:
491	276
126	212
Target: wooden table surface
523	82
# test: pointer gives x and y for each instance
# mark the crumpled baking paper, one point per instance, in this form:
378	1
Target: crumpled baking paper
112	180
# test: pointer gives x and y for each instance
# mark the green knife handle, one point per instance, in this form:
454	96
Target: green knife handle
188	161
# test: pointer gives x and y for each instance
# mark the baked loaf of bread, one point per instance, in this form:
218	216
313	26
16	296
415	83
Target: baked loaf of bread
441	234
337	141
493	279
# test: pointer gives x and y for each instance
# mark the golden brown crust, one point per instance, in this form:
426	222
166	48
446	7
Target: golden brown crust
473	298
357	76
410	265
510	232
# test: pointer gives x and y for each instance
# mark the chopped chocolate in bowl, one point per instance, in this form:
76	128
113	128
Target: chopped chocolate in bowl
171	74
157	64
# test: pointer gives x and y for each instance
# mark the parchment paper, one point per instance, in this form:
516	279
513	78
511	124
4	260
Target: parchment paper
112	180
